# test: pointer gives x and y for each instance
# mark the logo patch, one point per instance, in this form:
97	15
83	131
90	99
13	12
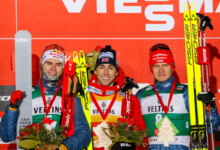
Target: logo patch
105	59
156	131
49	99
45	89
103	105
56	54
106	54
93	90
179	87
167	85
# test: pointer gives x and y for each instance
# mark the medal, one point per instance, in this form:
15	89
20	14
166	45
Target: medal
170	97
104	139
49	123
166	130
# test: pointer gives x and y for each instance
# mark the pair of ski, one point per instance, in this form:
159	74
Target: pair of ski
199	135
78	73
81	73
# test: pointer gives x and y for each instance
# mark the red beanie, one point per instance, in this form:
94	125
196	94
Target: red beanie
161	56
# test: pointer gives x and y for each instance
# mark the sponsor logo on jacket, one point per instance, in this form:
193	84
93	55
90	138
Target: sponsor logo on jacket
41	110
96	112
156	109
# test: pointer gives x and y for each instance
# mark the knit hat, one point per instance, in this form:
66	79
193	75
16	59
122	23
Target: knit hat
160	53
53	51
107	56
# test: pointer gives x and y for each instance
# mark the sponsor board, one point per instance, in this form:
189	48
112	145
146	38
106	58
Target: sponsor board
130	26
5	96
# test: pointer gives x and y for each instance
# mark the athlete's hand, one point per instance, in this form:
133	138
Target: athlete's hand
16	98
79	89
123	146
207	98
205	21
62	147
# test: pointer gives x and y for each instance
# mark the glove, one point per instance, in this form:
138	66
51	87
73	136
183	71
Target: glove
62	147
16	97
205	21
79	89
207	98
123	146
130	83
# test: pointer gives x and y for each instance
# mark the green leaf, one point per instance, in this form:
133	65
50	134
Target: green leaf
28	144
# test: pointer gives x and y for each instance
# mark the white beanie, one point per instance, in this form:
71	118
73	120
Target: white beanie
53	53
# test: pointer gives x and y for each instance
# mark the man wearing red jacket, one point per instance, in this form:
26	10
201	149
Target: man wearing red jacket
106	100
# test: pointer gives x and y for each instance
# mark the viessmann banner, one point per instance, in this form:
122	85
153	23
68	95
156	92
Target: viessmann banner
131	27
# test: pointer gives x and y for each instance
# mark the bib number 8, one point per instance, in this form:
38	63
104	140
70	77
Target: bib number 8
158	117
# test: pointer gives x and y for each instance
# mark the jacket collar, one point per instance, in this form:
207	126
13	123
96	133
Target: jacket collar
94	87
48	89
164	86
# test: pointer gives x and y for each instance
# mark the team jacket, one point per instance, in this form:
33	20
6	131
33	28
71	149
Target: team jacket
178	115
82	134
104	96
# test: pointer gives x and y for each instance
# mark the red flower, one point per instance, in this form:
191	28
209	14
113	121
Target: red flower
36	127
24	133
131	122
28	127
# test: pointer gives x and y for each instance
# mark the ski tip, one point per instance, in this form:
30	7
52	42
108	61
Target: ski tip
186	7
23	35
193	7
75	55
81	54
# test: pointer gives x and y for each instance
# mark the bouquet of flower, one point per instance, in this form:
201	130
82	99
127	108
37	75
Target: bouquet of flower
126	131
36	136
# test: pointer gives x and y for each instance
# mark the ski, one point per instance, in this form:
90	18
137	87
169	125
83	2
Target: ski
81	72
190	74
76	61
68	99
84	82
201	115
198	127
23	78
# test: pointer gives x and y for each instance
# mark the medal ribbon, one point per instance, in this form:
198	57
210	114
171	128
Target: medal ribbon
104	116
165	109
47	110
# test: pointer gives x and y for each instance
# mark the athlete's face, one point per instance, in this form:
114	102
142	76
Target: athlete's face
53	67
162	71
106	74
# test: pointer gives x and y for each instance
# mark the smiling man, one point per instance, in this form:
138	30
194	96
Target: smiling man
47	103
106	74
165	105
53	68
106	100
